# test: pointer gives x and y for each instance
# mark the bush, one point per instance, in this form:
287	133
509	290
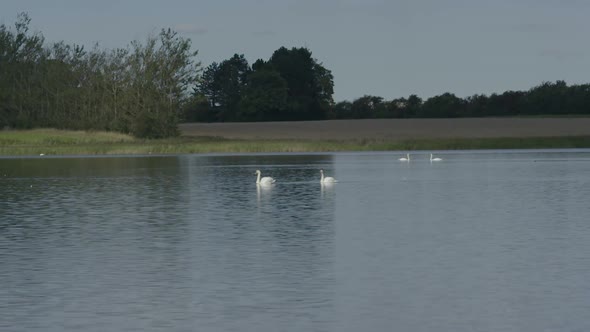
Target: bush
150	125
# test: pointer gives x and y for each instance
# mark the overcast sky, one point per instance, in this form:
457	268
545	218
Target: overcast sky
385	48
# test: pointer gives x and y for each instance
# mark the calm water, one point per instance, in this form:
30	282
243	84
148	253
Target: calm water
482	241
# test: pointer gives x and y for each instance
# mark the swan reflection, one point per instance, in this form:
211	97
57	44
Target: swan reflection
263	189
326	188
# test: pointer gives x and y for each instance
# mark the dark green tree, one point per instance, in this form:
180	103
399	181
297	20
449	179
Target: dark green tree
232	78
446	105
265	96
578	99
509	103
223	85
547	98
209	85
367	107
477	106
310	85
21	52
198	109
341	110
413	106
397	108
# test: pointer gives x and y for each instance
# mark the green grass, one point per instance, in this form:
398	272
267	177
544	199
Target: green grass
59	142
60	137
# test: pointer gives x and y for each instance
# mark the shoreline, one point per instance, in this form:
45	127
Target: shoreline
313	137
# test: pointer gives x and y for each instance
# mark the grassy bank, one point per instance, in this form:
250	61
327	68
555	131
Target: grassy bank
57	142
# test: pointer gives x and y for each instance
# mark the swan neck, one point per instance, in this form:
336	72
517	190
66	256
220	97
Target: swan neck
258	177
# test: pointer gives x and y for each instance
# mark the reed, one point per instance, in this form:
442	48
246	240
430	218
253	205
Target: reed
60	142
59	137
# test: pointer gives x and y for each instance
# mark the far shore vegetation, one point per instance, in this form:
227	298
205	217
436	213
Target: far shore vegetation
131	100
50	142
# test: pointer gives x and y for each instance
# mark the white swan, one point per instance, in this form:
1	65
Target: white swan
434	159
327	179
407	158
264	180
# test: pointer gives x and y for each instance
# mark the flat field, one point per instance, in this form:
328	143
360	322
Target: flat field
395	129
312	136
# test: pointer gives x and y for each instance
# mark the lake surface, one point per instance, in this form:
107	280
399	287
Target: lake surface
481	241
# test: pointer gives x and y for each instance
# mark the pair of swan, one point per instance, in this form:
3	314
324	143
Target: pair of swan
269	180
407	158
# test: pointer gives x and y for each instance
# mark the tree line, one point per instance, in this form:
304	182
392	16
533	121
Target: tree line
138	89
147	88
548	98
291	85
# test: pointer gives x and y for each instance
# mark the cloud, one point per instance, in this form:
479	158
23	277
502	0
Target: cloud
190	28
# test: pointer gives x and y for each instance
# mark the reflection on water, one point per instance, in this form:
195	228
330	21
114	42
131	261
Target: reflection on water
327	189
479	241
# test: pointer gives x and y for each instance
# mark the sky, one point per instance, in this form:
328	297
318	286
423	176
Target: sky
386	48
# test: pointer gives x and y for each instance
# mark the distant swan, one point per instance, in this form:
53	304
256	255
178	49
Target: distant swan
434	159
407	158
264	180
327	179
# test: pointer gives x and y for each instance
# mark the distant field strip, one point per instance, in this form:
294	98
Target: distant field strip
395	129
